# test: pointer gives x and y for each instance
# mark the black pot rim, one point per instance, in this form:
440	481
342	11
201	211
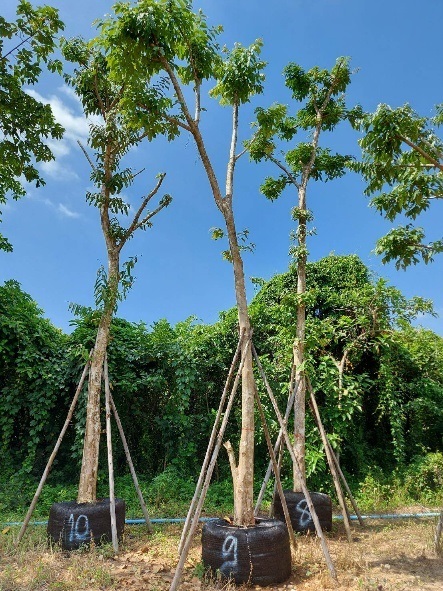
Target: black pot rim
260	522
104	501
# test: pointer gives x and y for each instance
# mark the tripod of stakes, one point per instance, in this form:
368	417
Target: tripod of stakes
110	406
215	443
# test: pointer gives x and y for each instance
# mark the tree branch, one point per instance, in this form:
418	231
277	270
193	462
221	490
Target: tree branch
178	122
135	222
422	152
17	46
137	173
86	155
42	21
153	213
240	154
232	462
117	97
99	98
287	172
423	246
307	169
232	158
197	102
195	131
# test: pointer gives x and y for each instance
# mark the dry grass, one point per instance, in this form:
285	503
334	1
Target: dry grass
385	556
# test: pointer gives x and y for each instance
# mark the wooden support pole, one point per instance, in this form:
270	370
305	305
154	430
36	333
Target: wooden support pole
54	453
274	492
210	445
437	537
345	484
277	446
332	467
110	459
131	465
340	473
194	522
298	469
276	472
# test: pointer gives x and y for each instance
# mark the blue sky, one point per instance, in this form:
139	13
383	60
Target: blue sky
395	45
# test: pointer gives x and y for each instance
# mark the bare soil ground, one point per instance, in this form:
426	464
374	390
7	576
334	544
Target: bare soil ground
384	556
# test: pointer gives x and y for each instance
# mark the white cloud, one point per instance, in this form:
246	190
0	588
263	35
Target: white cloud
69	92
58	170
76	126
58	148
62	210
76	130
65	211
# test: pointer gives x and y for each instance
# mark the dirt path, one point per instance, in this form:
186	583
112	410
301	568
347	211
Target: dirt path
384	556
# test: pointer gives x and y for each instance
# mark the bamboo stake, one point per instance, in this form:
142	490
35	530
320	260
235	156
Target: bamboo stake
331	463
342	476
277	446
210	445
298	470
276	472
345	484
194	522
274	492
131	465
437	536
54	453
110	459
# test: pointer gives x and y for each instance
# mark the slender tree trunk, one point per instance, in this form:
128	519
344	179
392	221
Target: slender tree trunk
243	473
87	488
243	494
299	351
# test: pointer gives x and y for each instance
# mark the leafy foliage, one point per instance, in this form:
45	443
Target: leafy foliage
25	122
385	410
33	375
145	38
403	166
322	109
355	346
240	76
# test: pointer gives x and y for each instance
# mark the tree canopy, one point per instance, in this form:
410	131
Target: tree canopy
25	123
403	166
166	40
111	138
320	96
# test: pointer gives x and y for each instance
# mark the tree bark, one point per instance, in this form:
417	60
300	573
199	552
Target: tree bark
243	494
87	488
299	353
243	491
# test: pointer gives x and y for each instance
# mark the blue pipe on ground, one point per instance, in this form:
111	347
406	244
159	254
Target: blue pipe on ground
202	519
390	516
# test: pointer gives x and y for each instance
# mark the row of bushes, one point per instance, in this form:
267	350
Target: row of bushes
169	494
385	409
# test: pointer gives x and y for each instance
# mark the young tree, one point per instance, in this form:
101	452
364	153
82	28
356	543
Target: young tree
111	139
404	153
352	356
168	41
25	122
322	95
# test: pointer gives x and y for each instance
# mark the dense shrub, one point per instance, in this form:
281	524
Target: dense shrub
424	477
378	381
